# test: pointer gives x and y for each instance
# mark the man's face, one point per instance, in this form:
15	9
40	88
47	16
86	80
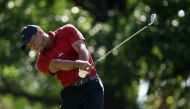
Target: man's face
37	41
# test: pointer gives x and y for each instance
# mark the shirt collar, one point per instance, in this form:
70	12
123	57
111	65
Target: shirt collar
51	34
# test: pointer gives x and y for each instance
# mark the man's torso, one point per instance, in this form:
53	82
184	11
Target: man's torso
62	49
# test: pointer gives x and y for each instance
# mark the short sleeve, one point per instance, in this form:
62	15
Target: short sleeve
43	64
73	33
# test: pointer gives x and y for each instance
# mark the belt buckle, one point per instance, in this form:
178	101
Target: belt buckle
78	83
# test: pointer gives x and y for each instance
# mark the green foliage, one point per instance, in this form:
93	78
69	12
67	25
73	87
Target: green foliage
159	55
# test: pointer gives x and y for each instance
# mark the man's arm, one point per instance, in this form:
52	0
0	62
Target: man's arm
80	48
59	64
82	63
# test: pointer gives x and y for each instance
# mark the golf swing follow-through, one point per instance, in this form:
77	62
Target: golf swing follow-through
153	20
63	53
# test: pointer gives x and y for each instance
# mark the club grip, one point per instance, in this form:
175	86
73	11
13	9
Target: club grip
96	62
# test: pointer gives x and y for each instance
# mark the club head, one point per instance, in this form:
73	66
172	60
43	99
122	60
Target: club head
153	19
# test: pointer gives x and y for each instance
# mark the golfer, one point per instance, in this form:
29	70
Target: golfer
63	53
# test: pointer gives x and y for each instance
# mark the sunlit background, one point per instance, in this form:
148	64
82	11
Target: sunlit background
151	71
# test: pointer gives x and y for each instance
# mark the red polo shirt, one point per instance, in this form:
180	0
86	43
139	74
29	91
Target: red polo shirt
61	48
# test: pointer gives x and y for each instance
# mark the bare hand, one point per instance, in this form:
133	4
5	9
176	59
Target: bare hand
83	65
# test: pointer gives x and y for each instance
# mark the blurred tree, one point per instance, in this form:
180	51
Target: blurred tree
158	56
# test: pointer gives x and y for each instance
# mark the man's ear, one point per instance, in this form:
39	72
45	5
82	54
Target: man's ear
40	31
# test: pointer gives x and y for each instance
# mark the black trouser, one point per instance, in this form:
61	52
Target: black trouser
86	96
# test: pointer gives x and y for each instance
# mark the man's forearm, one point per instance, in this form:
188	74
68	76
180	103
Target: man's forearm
58	64
83	54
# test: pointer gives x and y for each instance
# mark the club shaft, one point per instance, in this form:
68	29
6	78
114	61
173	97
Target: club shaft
100	59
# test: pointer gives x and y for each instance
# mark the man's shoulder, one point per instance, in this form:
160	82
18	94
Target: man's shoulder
67	26
68	30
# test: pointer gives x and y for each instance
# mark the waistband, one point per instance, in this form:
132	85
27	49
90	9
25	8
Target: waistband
85	80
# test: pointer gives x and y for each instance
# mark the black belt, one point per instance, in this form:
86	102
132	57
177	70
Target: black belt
85	80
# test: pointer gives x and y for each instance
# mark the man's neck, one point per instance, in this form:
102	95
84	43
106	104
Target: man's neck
48	43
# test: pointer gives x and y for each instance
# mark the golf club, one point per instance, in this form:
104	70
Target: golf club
153	20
